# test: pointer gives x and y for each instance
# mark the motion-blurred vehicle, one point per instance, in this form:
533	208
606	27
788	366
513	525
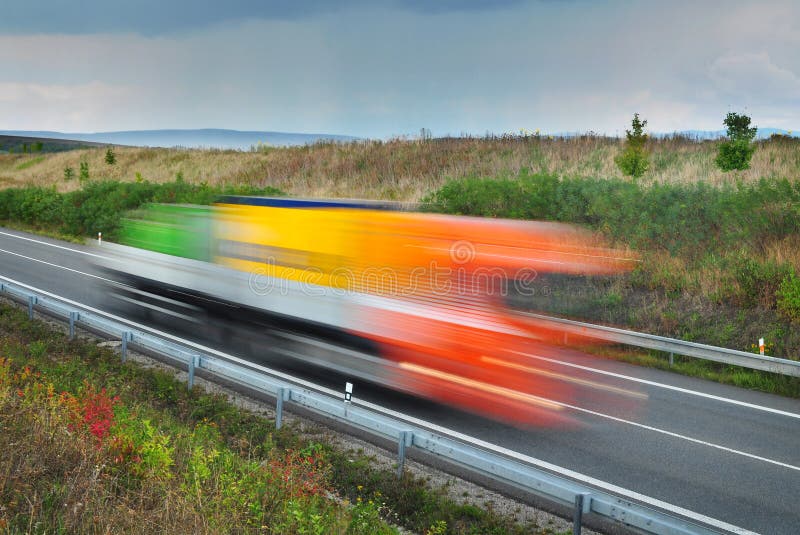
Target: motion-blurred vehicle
413	301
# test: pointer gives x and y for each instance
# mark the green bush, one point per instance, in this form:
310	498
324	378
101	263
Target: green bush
84	171
99	206
734	155
788	295
32	205
759	281
737	151
634	160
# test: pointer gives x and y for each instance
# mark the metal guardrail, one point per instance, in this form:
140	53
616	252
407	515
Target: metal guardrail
586	495
671	345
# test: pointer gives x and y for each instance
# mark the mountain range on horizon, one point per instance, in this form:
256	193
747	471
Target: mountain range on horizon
243	140
217	138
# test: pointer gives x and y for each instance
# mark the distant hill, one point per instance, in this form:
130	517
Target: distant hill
202	138
22	144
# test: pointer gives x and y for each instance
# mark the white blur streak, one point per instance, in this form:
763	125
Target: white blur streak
565	378
484	387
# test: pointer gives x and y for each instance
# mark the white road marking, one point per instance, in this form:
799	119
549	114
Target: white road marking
482	386
666	386
682	437
57	266
51	245
563	377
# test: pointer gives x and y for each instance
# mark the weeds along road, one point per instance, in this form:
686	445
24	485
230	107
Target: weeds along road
727	453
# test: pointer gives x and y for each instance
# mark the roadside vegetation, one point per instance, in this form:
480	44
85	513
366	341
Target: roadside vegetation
92	445
99	206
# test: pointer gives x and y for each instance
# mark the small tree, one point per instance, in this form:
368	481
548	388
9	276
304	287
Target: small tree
111	158
634	160
69	173
84	175
735	153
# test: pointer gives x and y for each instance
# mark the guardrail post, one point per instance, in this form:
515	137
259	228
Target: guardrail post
279	408
31	301
194	361
73	317
126	335
583	503
671	359
405	436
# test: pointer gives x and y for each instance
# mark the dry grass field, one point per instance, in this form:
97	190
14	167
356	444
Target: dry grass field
400	169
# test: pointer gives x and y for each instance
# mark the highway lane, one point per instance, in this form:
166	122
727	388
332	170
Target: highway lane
721	451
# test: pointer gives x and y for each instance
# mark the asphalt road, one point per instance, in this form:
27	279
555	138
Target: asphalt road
721	451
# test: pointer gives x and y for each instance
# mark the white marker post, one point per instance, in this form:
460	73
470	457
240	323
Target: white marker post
761	346
99	238
348	392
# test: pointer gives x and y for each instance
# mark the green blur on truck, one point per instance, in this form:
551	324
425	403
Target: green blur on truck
174	229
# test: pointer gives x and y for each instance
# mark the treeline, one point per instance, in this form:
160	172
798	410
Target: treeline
23	148
99	206
31	145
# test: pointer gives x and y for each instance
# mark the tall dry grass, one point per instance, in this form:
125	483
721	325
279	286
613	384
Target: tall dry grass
403	169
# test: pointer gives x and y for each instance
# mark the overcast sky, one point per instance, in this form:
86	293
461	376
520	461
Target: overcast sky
376	68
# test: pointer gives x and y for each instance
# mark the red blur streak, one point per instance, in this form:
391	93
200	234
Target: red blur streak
464	347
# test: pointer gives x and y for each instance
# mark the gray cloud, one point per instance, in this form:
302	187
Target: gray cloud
752	76
158	17
394	67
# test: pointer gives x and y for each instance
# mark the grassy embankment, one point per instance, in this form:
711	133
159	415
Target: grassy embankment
718	249
91	445
402	170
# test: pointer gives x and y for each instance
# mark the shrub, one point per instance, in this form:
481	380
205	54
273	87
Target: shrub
789	297
69	173
111	158
759	281
84	173
99	206
634	159
737	151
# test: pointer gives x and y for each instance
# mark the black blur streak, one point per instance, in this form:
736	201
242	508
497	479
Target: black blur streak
252	336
